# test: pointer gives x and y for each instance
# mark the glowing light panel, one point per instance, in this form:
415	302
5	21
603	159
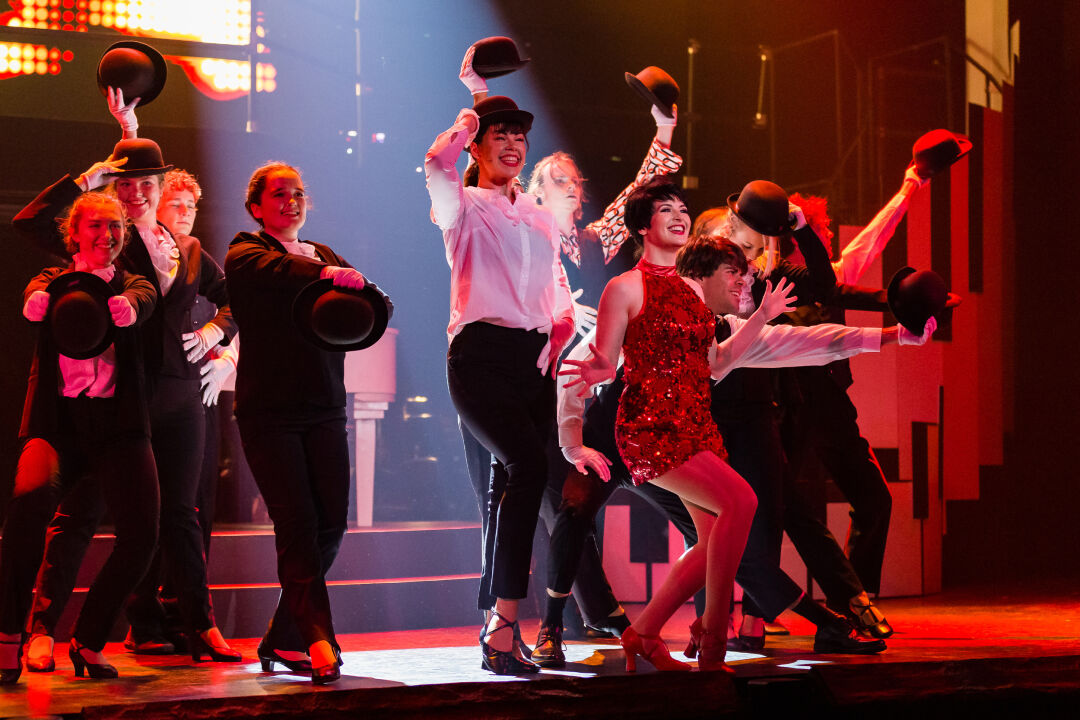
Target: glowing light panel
226	22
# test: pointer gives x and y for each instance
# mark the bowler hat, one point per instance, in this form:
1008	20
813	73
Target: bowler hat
340	319
763	206
915	296
656	86
937	150
78	316
143	158
495	56
501	109
134	67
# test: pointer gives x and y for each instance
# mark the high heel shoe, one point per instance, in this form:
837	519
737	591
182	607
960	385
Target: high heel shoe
505	662
711	651
326	673
650	647
268	656
98	671
10	675
218	653
692	646
39	654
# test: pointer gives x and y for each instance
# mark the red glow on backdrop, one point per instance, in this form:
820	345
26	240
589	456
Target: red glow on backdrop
223	22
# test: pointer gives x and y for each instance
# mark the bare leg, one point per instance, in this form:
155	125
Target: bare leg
499	635
722	507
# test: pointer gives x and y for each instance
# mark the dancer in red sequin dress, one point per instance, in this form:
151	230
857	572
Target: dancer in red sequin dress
666	434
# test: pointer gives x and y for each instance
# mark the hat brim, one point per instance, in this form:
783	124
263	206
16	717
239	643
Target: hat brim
141	172
963	143
913	324
498	70
305	301
98	289
646	93
161	70
516	117
733	202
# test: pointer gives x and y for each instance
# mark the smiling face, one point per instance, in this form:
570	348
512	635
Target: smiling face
140	196
99	234
282	206
177	211
723	289
669	226
500	154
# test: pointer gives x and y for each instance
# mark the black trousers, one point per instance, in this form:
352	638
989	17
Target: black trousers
84	453
177	436
301	465
752	437
826	424
503	400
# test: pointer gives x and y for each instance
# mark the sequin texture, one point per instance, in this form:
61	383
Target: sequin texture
664	417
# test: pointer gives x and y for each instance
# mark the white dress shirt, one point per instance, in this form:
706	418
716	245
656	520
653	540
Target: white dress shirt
503	255
164	255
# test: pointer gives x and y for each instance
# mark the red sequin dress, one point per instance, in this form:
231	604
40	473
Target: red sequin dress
664	418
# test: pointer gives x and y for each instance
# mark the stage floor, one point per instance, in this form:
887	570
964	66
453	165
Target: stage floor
948	630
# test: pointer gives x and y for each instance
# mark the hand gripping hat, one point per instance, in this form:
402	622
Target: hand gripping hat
143	158
496	56
656	86
134	67
763	206
78	316
916	295
340	319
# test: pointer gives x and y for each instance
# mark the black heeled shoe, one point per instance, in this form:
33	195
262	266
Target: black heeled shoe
326	673
268	657
10	676
200	647
102	671
505	662
43	662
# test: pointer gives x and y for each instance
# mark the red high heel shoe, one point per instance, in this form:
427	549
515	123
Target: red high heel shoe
691	650
650	647
711	651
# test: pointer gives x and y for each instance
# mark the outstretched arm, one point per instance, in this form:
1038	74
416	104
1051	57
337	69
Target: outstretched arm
726	355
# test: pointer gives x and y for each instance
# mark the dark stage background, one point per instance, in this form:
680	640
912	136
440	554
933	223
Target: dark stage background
841	113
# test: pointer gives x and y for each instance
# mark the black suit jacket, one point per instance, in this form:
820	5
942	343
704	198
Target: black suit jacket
41	409
197	274
280	373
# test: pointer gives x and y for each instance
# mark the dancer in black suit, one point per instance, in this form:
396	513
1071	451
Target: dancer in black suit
290	407
85	422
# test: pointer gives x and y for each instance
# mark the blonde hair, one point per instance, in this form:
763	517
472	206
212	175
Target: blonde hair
536	179
85	203
714	222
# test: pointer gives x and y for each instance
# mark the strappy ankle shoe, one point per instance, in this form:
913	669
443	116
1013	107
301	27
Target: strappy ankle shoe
98	671
650	647
39	654
508	662
868	620
711	651
11	657
691	650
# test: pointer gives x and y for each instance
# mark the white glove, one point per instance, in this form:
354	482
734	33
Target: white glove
585	458
214	374
584	316
124	114
796	218
36	306
911	176
199	342
122	311
663	120
476	84
560	334
98	174
344	277
906	337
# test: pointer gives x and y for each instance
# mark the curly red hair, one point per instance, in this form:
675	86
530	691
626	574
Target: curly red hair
816	211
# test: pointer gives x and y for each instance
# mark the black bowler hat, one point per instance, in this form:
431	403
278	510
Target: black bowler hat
78	316
501	109
341	319
134	67
937	150
763	206
656	86
143	158
495	56
915	296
